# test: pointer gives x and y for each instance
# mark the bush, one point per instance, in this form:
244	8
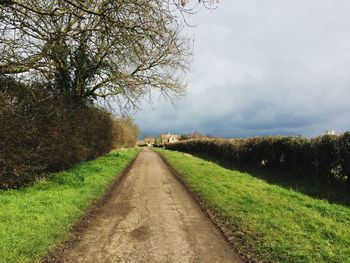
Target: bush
325	158
125	133
42	132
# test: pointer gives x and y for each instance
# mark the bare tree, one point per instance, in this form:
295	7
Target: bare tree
95	48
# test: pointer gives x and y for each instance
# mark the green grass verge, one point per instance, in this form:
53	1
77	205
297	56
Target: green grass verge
278	224
35	218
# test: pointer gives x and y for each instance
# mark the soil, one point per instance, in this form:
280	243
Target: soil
148	216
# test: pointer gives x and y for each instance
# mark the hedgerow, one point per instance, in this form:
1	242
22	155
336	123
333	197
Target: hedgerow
325	158
43	132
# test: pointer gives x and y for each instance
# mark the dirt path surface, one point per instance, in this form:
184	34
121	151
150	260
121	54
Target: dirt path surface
150	217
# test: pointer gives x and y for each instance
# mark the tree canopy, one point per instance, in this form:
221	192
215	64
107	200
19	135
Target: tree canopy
100	48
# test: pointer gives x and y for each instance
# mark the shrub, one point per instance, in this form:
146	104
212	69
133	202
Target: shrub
42	132
325	158
125	132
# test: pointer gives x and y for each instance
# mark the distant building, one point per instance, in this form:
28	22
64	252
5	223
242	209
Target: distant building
167	138
330	132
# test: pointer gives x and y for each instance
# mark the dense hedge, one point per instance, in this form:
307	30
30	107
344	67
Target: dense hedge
42	132
327	157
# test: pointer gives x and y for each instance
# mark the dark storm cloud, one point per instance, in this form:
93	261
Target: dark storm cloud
264	67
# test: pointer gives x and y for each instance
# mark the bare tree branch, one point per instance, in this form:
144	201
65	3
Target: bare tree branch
100	48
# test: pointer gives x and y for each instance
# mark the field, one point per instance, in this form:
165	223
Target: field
265	220
35	218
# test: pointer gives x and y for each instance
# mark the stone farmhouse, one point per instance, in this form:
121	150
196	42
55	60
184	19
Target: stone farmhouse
161	139
167	138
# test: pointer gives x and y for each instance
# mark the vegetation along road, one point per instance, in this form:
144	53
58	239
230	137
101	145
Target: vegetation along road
150	217
263	221
35	218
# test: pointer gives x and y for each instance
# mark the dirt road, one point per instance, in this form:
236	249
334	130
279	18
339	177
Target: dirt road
150	217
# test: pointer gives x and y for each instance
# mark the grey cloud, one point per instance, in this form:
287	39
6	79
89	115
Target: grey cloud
263	67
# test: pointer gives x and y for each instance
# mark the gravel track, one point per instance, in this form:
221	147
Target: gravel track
149	217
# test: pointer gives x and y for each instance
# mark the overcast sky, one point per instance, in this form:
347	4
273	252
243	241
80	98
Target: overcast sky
263	67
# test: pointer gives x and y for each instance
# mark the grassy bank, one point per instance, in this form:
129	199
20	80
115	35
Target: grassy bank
277	224
35	218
